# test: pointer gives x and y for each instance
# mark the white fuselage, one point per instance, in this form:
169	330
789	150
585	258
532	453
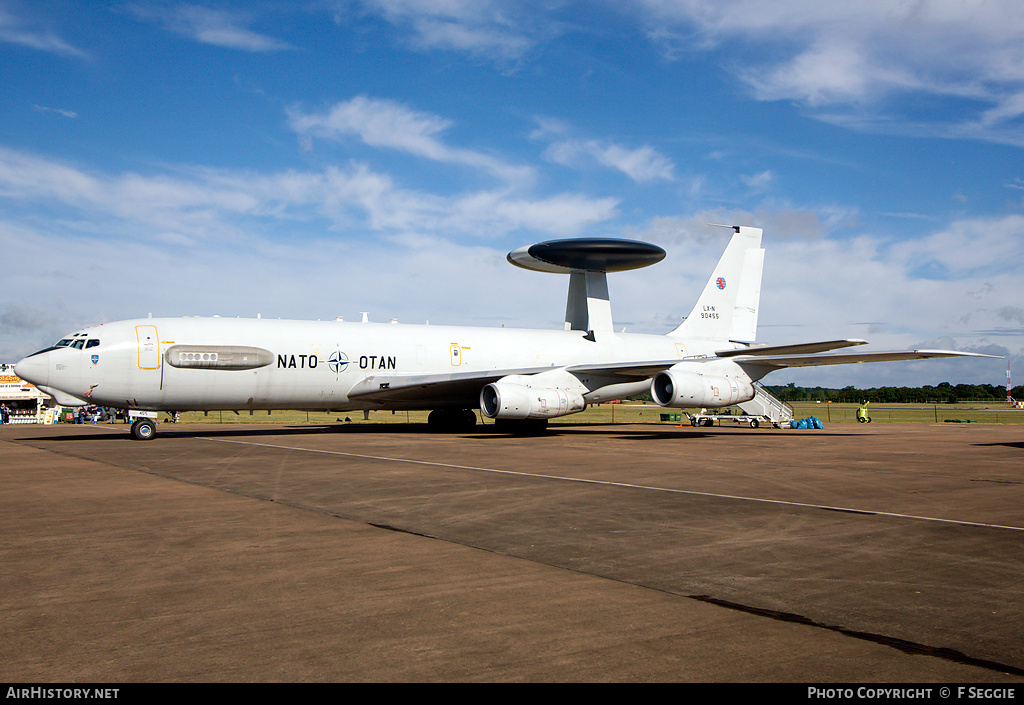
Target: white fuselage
159	363
708	361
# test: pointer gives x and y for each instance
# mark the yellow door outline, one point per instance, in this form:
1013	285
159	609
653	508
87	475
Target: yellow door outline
149	347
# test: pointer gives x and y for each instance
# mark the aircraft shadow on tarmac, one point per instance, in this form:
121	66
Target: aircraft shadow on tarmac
484	432
1010	444
640	432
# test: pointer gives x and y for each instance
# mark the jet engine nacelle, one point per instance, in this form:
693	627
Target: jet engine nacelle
507	399
677	388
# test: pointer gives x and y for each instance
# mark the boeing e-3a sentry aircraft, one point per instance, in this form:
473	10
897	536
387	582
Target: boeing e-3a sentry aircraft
513	376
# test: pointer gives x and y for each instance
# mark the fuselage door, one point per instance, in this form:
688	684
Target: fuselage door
149	347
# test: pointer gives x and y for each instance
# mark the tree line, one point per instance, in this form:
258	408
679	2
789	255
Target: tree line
942	393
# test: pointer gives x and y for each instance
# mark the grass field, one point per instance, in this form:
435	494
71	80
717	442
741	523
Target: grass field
979	412
637	412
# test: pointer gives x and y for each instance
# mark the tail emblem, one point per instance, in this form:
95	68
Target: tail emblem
720	283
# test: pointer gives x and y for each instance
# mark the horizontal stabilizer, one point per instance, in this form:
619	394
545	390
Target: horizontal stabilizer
795	349
778	362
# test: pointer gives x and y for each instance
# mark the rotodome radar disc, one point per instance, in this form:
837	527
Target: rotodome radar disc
586	254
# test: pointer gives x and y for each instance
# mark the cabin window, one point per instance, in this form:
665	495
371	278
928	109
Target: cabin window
92	343
78	343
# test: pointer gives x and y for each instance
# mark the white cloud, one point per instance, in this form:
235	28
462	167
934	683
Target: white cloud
14	31
65	281
828	72
291	244
642	164
25	176
457	36
852	57
968	249
199	204
865	288
818	286
215	27
379	123
70	114
759	182
562	214
479	27
386	123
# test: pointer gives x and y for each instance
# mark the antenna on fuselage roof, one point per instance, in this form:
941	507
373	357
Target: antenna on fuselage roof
587	261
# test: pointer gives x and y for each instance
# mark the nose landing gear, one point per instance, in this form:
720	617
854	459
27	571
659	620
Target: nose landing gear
143	427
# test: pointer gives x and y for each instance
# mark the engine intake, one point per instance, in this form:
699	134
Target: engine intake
679	389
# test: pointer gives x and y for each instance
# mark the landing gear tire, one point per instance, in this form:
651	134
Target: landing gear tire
144	429
451	420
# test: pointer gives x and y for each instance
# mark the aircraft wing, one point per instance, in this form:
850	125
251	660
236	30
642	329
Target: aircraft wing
644	369
454	389
777	362
631	370
763	358
462	389
457	388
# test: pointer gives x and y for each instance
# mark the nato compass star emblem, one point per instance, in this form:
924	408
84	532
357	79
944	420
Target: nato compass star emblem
338	361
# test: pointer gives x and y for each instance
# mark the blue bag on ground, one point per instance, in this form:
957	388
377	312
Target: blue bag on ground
811	422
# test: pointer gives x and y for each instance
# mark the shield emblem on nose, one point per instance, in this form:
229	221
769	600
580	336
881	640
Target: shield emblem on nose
95	359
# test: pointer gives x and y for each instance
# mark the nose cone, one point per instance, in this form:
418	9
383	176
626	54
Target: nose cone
34	369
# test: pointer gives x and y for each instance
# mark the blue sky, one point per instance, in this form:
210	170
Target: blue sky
322	158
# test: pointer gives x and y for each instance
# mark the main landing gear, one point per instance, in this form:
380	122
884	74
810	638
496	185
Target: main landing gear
464	420
451	420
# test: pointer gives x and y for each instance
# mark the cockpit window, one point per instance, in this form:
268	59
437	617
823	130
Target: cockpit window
79	341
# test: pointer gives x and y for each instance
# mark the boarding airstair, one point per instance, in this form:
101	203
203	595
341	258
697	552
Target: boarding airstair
766	405
763	408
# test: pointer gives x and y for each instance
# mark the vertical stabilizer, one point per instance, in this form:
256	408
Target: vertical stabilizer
727	308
